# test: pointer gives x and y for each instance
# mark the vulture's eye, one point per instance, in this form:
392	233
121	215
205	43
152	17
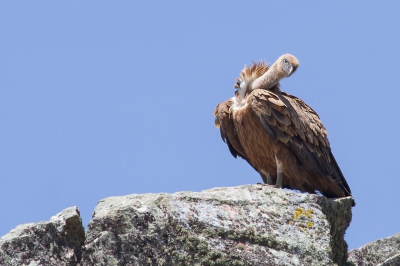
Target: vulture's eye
285	60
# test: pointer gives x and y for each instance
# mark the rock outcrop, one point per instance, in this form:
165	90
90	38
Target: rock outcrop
383	252
56	242
246	225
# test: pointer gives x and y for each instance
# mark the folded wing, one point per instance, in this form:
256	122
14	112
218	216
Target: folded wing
289	120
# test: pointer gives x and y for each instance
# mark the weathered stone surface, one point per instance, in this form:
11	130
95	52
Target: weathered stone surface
56	242
245	225
384	252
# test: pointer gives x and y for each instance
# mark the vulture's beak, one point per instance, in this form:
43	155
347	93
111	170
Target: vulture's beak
293	69
290	69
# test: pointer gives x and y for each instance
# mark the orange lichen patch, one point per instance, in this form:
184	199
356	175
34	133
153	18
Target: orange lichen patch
302	215
299	213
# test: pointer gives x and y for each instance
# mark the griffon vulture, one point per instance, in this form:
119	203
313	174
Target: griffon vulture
278	134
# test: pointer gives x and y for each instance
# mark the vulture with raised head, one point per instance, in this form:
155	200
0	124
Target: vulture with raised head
278	134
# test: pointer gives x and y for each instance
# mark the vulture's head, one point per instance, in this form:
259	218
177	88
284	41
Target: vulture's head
287	65
260	76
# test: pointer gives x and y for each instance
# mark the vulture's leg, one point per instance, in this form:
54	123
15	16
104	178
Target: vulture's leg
279	180
264	179
279	172
269	180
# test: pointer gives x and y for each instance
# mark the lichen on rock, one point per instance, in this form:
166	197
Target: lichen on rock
383	252
55	242
245	225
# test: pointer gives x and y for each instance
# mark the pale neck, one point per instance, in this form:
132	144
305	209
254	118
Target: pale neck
267	80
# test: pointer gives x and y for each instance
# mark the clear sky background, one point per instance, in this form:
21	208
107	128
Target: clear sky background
109	98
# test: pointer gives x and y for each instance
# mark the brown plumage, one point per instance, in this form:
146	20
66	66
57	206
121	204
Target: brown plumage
278	134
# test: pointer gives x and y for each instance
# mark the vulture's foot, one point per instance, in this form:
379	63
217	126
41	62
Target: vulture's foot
267	185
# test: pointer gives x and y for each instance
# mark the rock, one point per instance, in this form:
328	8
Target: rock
245	225
56	242
384	252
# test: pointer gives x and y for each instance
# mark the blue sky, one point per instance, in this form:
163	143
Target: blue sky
102	98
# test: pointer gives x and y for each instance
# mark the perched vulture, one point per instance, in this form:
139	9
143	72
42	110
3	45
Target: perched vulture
278	134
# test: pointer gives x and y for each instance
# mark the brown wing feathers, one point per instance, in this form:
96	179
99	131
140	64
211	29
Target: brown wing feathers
227	129
299	127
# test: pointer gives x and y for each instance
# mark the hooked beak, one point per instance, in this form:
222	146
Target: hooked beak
293	70
289	70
